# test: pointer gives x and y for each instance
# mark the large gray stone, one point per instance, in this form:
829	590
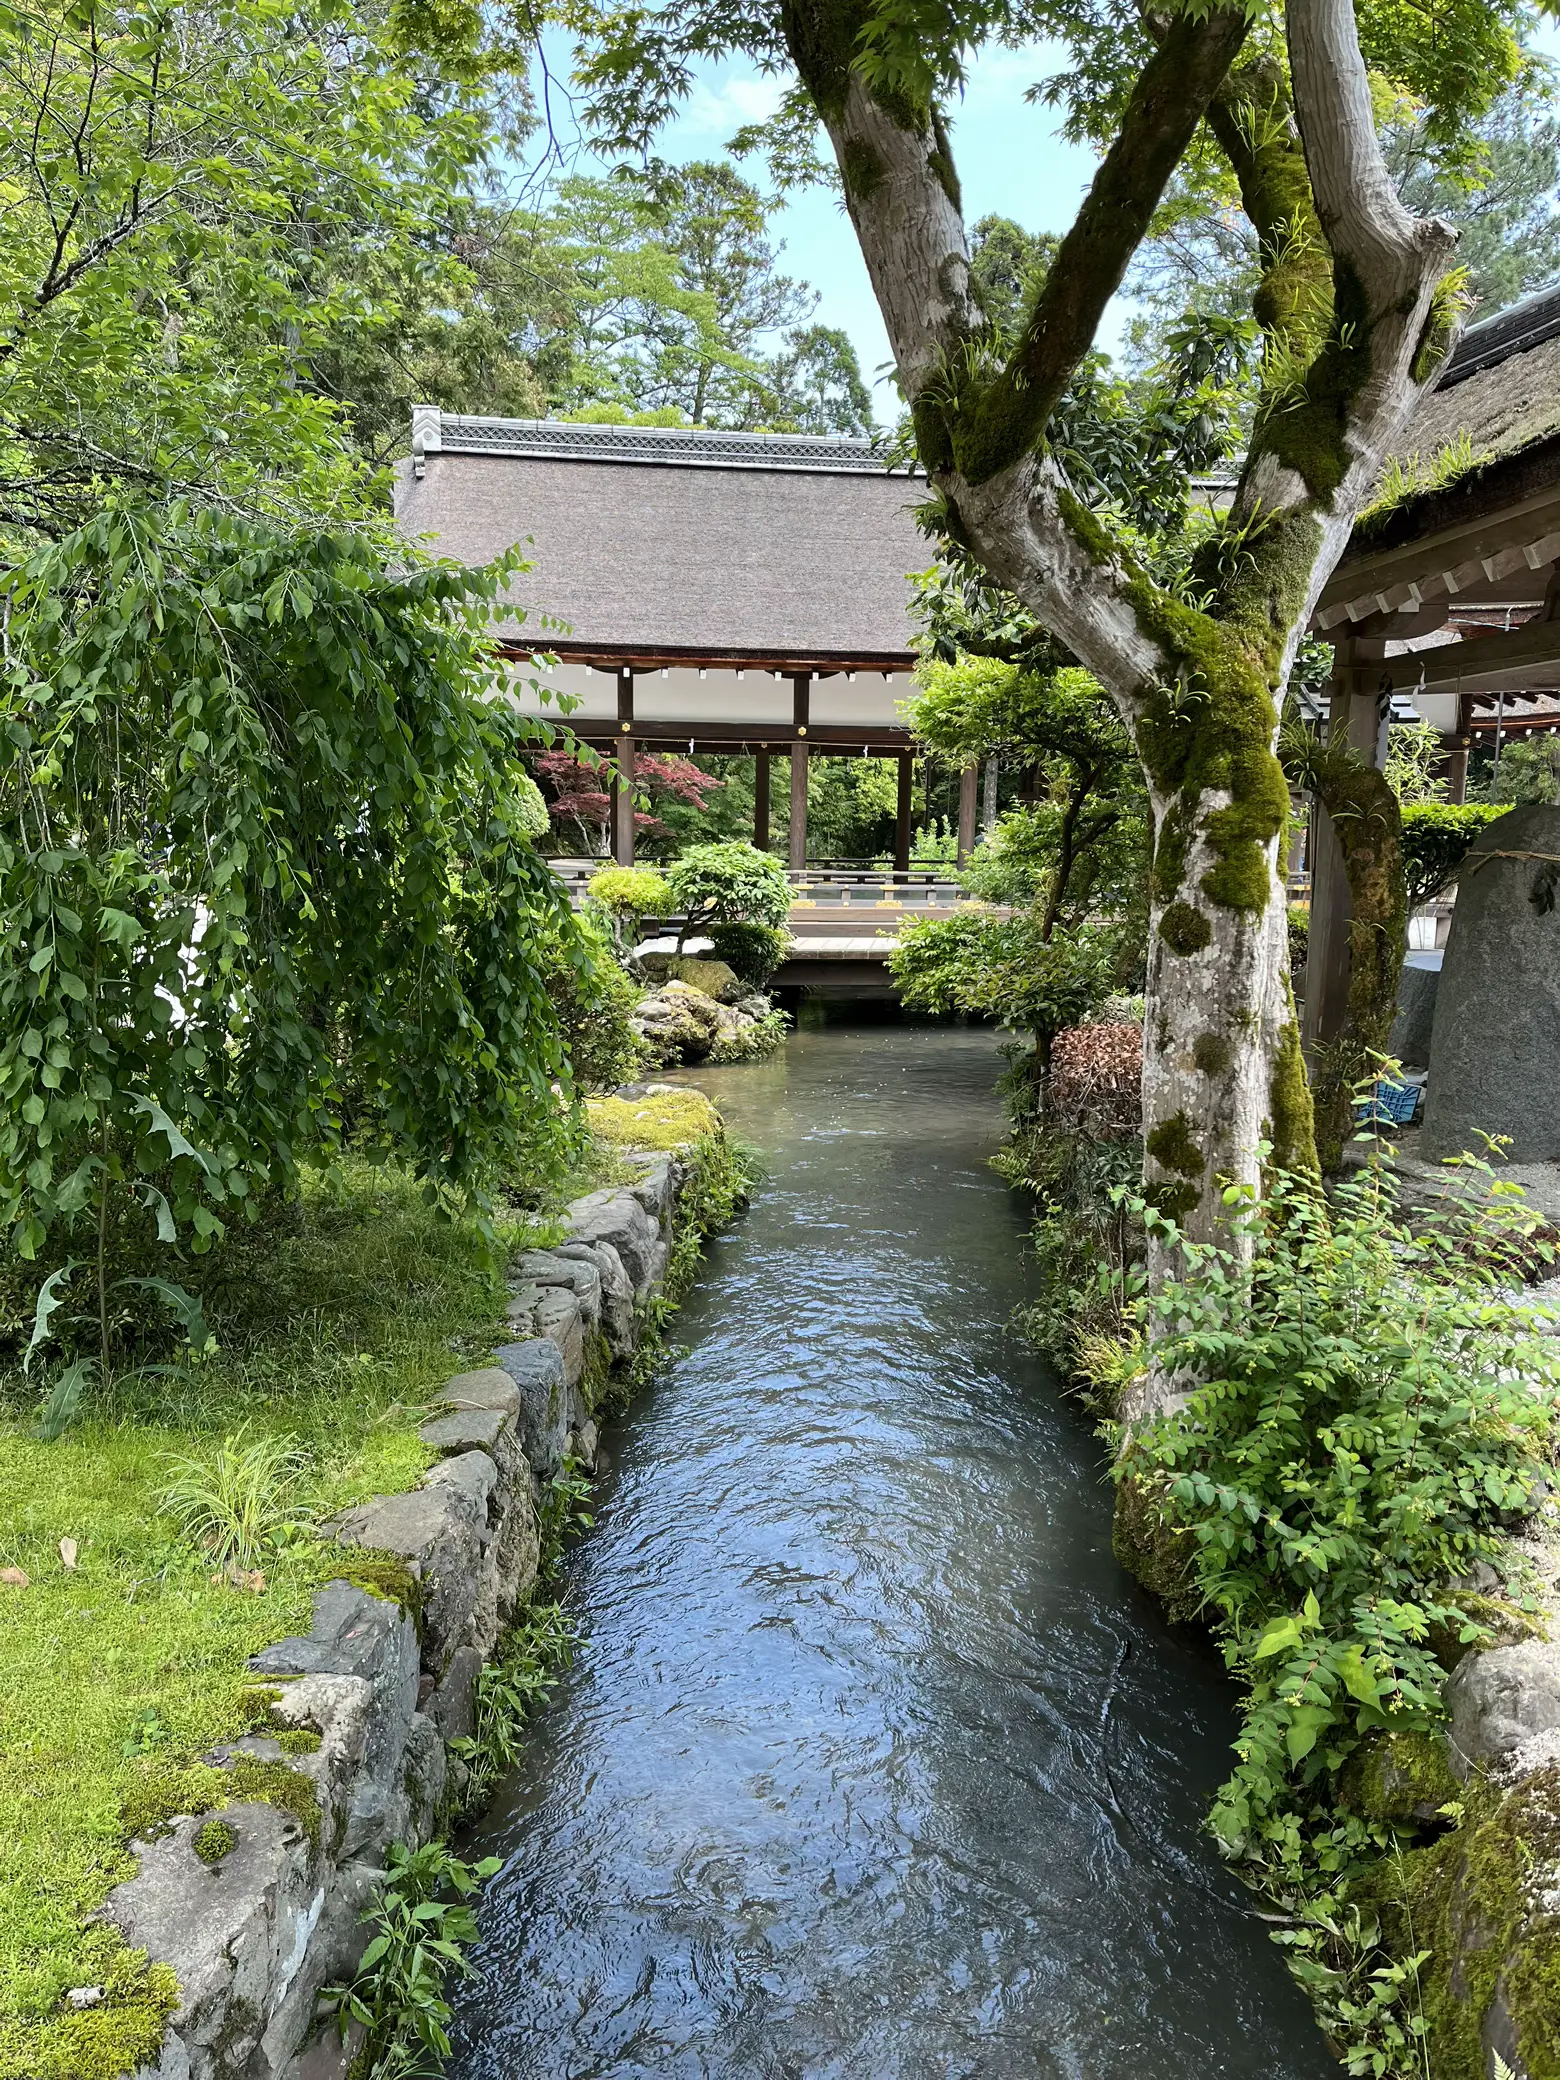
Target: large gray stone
536	1267
656	1188
1502	1699
617	1294
441	1530
464	1430
490	1388
536	1367
1496	1045
617	1218
1409	1041
235	1932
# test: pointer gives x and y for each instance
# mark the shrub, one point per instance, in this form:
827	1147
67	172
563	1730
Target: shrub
254	774
1436	835
751	951
729	884
1096	1079
1004	968
631	893
1366	1426
593	999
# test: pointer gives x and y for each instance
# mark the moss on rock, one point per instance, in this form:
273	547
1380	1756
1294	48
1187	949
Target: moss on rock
1404	1776
1150	1547
214	1841
1484	1900
164	1792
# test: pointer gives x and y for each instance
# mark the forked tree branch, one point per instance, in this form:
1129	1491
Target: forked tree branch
1168	101
1363	218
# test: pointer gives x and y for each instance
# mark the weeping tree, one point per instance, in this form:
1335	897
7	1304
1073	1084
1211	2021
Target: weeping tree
1358	303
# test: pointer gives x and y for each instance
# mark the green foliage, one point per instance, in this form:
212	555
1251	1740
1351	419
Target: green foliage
1413	753
199	203
1004	968
241	1501
593	1000
509	1690
632	893
751	951
729	884
1369	1419
1529	770
400	1993
264	880
1436	837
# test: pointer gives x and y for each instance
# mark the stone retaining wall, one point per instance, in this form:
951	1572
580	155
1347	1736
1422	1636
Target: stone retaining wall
255	1935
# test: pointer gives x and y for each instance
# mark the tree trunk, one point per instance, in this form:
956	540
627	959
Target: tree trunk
1354	328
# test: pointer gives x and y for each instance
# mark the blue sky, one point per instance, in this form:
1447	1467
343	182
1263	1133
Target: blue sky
1010	160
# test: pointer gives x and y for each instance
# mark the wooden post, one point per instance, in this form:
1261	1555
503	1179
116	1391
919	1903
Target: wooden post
902	814
801	687
761	800
1358	710
623	787
1457	747
988	800
968	780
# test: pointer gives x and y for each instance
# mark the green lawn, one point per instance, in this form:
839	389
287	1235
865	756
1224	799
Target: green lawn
336	1336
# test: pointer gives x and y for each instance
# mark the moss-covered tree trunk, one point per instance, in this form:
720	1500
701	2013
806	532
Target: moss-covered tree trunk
1355	322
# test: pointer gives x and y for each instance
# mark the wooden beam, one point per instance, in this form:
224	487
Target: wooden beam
844	739
761	800
969	780
902	814
798	805
1480	664
623	794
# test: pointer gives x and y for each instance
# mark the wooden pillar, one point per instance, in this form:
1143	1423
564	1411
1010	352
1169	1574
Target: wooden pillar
801	687
968	783
1457	746
623	784
1358	712
761	800
902	814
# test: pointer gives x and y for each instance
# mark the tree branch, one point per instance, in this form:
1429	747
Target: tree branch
1167	103
1364	221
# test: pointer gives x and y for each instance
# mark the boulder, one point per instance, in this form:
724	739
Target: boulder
1501	1700
1496	1039
711	978
1409	1041
538	1267
441	1530
536	1367
490	1388
231	1930
366	1637
656	1188
617	1293
616	1217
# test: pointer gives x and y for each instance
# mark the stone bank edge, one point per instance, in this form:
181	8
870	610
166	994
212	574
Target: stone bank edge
386	1678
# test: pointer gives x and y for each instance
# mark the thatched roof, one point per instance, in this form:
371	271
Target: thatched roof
678	545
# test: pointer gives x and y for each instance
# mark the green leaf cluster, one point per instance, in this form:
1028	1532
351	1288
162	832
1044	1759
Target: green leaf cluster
266	883
1436	838
731	883
1370	1418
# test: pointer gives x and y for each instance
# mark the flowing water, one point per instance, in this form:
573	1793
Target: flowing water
875	1764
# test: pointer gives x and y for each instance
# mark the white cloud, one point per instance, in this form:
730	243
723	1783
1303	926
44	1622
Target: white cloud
718	106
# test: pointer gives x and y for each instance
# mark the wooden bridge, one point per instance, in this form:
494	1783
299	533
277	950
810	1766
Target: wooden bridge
845	915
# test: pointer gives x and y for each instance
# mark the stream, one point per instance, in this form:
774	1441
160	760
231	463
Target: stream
875	1765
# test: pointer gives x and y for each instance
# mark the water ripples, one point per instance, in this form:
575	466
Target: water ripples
875	1765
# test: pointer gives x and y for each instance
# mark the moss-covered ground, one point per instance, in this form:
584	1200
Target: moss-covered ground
123	1648
335	1327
